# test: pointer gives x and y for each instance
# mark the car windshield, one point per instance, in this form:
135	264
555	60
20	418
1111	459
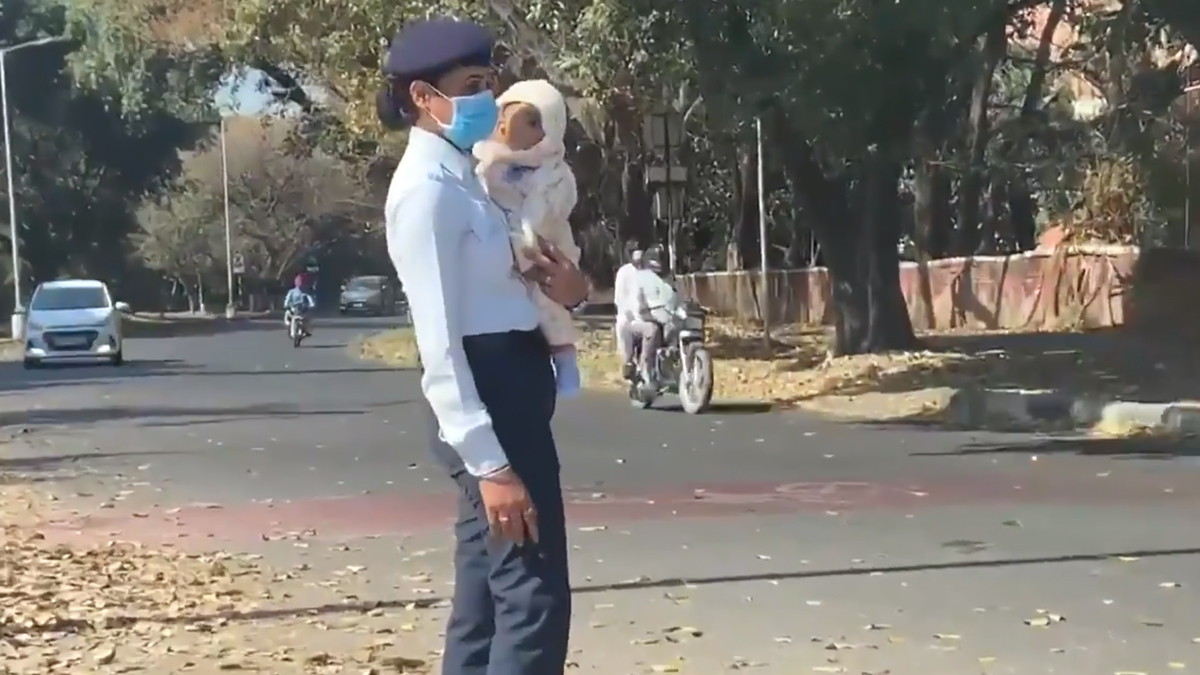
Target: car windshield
363	284
69	297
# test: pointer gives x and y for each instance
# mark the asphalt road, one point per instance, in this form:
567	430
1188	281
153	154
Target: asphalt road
240	415
800	540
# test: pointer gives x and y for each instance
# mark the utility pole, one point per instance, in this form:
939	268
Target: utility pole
230	308
764	294
17	321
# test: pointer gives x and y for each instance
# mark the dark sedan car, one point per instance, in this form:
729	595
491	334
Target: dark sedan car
368	295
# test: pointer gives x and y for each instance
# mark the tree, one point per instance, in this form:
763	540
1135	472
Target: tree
82	160
596	50
946	125
180	238
287	204
842	87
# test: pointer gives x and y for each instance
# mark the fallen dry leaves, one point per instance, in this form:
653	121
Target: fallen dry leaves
125	608
795	369
10	350
396	347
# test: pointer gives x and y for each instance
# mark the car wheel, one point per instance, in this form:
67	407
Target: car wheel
342	311
30	364
118	359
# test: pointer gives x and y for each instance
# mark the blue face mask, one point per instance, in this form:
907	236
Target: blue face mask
473	120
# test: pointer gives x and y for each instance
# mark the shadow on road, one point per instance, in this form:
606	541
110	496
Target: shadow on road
727	407
28	469
359	607
14	376
149	326
1136	447
311	371
168	416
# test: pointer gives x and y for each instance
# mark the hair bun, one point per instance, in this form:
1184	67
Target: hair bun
388	109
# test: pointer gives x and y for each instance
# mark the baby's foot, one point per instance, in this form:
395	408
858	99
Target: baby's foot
566	373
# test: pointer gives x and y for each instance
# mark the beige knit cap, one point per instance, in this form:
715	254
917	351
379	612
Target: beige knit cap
548	101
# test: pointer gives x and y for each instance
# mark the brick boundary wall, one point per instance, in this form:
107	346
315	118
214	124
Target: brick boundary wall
1068	287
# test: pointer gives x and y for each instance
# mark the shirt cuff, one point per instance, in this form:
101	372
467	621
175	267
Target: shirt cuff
483	455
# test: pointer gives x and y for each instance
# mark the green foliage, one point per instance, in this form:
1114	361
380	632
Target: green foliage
81	162
285	204
180	232
121	55
854	79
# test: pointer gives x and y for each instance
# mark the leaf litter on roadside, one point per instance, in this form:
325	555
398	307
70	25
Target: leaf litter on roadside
129	608
1044	618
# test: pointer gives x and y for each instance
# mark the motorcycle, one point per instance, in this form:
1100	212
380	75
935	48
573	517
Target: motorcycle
295	323
682	365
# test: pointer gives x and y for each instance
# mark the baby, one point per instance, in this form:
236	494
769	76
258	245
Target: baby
524	169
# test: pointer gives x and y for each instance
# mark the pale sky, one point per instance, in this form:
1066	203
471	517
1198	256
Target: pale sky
242	95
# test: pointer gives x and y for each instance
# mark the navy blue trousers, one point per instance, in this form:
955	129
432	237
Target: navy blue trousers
512	605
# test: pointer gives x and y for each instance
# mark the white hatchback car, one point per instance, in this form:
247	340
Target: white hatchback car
73	320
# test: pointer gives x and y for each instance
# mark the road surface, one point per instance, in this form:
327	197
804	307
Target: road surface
790	543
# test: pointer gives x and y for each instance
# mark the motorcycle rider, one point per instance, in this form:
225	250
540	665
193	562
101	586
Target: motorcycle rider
298	300
624	288
653	304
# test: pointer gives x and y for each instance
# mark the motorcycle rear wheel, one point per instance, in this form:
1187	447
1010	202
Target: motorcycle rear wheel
641	397
695	395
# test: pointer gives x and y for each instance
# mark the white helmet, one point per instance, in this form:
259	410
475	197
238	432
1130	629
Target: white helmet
652	258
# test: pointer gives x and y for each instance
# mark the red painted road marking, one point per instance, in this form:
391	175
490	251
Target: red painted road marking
398	513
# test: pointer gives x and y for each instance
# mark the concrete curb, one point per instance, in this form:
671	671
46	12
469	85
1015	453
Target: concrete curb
1042	409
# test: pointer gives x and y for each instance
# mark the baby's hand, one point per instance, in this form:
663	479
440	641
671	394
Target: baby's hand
531	246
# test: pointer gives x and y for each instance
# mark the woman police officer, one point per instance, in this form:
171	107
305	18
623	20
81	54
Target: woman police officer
487	372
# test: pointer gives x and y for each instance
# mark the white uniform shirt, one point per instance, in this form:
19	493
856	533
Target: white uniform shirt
450	246
624	292
656	295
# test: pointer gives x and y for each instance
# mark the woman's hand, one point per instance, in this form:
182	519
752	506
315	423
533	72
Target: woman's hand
559	278
510	512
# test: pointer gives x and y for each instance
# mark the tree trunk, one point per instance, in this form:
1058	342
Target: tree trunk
741	251
889	325
636	220
932	191
871	314
1022	209
200	294
995	238
970	188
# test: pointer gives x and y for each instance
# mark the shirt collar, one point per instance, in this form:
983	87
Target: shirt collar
434	148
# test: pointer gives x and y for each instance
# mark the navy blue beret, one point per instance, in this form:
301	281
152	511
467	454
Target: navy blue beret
434	46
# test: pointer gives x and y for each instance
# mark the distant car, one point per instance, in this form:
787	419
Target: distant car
368	295
73	320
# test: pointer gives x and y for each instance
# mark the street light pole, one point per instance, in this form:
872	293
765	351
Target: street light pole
18	316
230	310
764	291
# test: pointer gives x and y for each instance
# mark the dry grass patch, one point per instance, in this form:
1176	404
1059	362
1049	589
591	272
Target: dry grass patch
10	349
795	369
396	347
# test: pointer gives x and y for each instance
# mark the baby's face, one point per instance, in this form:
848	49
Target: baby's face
520	126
